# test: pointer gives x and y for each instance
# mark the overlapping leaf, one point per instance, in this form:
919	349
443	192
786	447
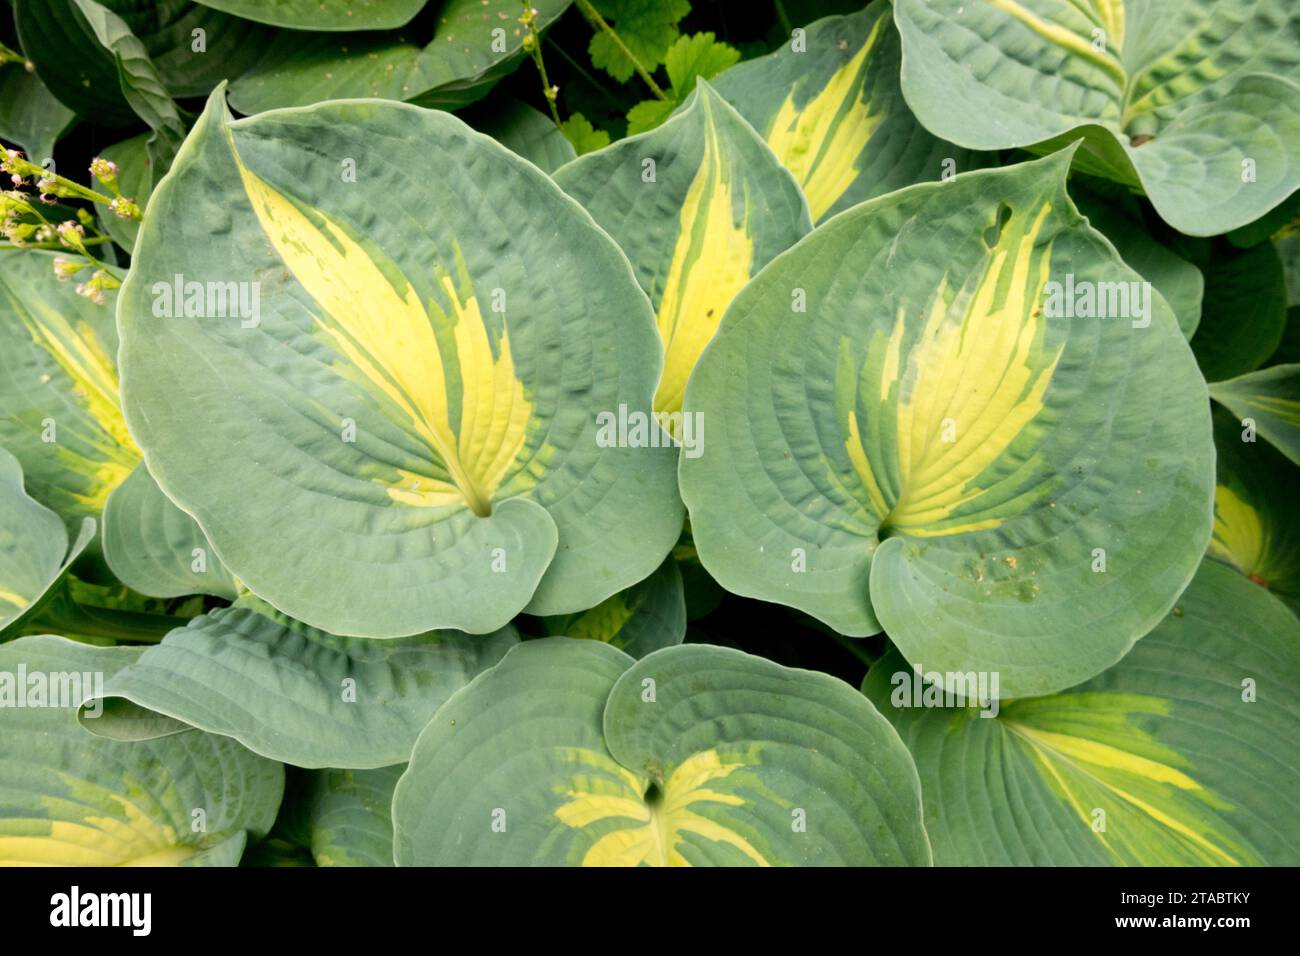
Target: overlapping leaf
34	552
444	332
350	816
1244	312
918	422
59	388
1256	510
1270	401
323	14
1193	100
155	548
1183	754
69	798
291	692
568	752
474	44
832	111
699	205
645	617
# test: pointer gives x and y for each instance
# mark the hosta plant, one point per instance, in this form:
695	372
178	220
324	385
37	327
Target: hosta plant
606	433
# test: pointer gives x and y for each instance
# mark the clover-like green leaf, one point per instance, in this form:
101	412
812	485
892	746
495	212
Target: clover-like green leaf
59	388
155	548
34	552
425	455
567	752
1256	511
474	44
646	29
323	14
829	104
1193	101
954	451
699	205
68	798
1268	400
649	615
291	692
1185	753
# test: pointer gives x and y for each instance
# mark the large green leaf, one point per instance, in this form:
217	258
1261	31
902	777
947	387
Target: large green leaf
90	59
1184	753
832	111
522	130
943	450
291	692
350	816
699	205
474	44
1193	100
69	798
1256	510
1268	400
34	551
643	618
1178	281
323	14
426	452
567	752
155	548
29	113
59	411
1244	313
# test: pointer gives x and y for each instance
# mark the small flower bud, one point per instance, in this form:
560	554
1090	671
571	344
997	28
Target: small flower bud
105	170
125	208
71	235
65	268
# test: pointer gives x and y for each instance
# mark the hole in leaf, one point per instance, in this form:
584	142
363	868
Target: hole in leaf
993	234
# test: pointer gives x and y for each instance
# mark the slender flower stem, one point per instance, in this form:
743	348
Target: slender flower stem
596	20
533	44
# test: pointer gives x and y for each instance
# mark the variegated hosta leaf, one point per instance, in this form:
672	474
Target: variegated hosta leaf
923	418
155	548
59	411
643	618
323	14
829	104
474	44
699	205
444	333
34	551
350	816
707	756
1256	509
1195	100
69	798
1184	753
291	692
1268	401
